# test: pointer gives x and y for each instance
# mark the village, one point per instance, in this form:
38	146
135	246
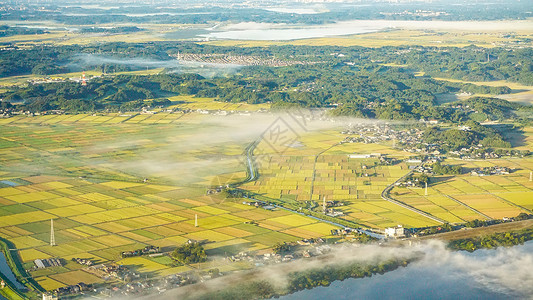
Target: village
242	60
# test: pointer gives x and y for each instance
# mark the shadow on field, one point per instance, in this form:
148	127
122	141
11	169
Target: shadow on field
146	274
443	179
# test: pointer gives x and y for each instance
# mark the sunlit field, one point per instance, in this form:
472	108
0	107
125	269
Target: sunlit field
88	174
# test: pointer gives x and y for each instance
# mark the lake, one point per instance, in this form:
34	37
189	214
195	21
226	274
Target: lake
484	274
283	32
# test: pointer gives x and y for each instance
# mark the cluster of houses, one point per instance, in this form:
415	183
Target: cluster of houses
110	271
333	212
73	289
410	140
410	182
262	204
478	152
243	60
83	261
47	262
376	133
488	171
311	247
144	287
139	252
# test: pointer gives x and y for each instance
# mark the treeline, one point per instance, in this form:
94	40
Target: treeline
505	239
112	30
440	169
482	223
492	108
123	92
10	31
309	279
468	63
366	93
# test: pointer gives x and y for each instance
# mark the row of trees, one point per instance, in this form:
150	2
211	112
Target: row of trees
297	281
441	169
505	239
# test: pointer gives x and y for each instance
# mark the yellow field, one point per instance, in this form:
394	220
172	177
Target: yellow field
83	172
100	211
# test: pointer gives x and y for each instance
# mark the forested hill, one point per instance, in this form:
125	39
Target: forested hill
468	63
363	82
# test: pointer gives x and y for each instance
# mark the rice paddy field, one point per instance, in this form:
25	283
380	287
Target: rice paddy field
465	197
119	182
88	173
321	167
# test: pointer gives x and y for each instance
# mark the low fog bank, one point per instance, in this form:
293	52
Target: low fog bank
85	61
199	149
503	271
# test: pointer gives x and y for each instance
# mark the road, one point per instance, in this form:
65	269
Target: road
385	196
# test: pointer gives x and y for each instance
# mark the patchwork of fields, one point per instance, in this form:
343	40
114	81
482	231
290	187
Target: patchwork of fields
99	219
308	173
115	183
465	198
80	171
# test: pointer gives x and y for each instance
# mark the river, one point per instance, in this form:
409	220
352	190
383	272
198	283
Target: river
6	271
504	273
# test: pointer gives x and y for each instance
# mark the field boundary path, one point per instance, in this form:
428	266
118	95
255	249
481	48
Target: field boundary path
502	199
467	206
314	170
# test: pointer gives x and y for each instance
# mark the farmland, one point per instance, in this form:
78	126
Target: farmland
463	198
78	170
321	168
439	34
118	182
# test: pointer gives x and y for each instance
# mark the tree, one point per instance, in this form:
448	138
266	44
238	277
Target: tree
280	248
190	253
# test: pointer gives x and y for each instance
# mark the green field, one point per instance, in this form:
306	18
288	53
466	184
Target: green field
308	173
87	173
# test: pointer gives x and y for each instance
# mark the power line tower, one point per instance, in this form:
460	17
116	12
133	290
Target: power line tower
52	236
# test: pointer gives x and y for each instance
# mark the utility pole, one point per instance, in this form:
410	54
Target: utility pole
426	188
196	220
